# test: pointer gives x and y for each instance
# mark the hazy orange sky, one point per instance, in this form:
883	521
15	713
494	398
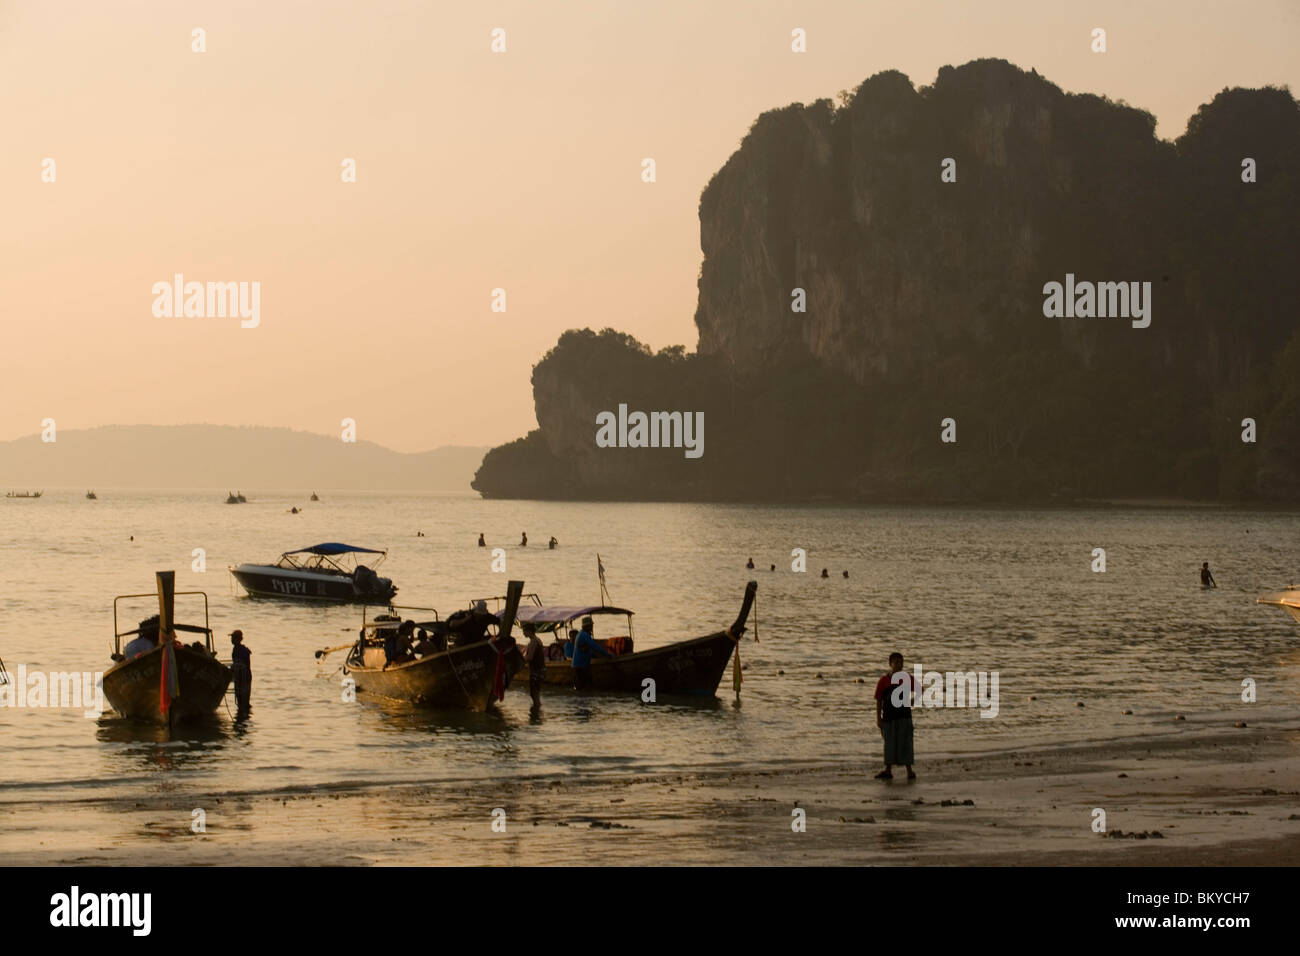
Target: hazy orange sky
475	171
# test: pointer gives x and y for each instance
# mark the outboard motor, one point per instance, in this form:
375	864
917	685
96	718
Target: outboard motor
364	579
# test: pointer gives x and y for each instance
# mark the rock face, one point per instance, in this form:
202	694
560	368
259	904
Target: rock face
917	230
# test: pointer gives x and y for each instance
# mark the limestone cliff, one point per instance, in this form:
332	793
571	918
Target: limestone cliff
924	300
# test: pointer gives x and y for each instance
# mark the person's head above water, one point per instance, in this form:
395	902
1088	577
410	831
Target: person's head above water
895	661
1205	564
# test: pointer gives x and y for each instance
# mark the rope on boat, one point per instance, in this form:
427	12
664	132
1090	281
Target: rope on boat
452	664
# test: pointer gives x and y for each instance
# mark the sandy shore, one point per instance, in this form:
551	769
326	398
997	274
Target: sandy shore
1215	797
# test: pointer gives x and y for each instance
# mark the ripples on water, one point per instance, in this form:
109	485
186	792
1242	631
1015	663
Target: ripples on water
1010	591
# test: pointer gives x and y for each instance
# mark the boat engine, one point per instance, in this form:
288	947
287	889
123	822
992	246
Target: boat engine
367	581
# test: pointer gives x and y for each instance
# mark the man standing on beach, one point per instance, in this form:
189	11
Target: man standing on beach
894	716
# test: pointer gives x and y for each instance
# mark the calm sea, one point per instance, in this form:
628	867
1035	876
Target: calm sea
985	590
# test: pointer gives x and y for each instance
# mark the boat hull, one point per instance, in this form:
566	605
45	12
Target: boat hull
266	581
1288	600
694	667
133	688
457	678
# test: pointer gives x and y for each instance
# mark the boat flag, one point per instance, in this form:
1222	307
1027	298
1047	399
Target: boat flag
499	677
170	688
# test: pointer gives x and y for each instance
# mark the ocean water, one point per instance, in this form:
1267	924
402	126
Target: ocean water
1010	591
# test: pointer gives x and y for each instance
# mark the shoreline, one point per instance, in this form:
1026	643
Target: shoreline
1215	799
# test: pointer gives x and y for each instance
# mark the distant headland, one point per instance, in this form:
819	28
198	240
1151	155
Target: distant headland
872	321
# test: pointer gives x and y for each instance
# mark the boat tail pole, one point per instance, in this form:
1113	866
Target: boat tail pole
737	629
169	680
514	591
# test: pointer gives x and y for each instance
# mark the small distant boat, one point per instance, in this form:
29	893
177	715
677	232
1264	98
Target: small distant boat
23	494
314	497
172	682
323	572
462	665
1288	599
690	667
236	499
91	496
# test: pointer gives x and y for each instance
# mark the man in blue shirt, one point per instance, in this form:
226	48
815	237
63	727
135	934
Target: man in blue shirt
584	645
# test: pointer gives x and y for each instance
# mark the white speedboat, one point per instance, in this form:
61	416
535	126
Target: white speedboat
323	572
1287	599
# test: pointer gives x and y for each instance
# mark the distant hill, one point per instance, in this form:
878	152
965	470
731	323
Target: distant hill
223	456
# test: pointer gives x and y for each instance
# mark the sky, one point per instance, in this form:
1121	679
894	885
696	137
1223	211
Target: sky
475	170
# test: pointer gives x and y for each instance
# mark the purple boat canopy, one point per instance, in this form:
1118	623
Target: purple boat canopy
563	614
333	547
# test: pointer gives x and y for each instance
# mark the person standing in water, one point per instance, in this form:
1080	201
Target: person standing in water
554	544
241	665
1207	579
584	645
481	542
523	541
535	657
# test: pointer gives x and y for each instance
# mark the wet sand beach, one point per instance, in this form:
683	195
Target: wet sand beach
1215	796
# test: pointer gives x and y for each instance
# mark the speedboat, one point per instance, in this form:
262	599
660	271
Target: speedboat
1288	599
323	572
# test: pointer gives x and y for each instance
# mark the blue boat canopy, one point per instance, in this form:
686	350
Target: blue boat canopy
333	547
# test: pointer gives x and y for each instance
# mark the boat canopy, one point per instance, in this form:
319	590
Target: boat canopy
563	614
333	547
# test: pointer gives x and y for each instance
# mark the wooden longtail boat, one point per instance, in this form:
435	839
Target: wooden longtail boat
691	667
461	666
134	685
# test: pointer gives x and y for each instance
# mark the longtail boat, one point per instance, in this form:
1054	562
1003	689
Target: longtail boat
24	494
459	664
170	682
690	667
